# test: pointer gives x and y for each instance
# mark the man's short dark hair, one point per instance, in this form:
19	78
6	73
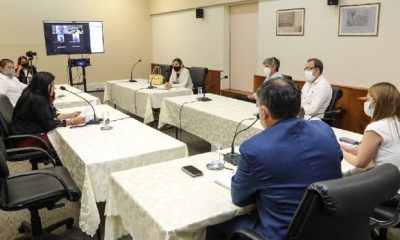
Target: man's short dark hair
4	62
281	96
317	64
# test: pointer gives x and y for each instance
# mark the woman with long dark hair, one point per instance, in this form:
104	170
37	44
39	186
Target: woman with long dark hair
34	112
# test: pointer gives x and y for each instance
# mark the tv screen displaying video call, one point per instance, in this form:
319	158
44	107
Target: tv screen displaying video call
73	37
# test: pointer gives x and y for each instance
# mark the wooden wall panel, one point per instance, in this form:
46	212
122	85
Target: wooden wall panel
212	83
354	118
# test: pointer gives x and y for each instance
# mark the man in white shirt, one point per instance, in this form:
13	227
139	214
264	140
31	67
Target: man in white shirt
316	93
9	84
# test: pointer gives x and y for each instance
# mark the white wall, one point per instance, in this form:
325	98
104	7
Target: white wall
243	45
351	61
198	42
127	34
163	6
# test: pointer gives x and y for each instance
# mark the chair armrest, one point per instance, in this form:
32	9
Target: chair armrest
247	233
44	172
31	149
11	137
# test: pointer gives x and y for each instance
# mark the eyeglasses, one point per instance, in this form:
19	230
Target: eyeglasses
308	68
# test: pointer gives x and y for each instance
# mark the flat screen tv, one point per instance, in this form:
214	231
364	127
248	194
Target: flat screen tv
73	37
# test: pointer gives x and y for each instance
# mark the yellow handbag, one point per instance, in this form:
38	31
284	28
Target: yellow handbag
156	78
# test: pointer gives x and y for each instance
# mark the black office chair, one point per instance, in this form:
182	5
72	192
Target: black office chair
165	71
198	75
287	77
328	118
35	157
385	216
339	209
35	190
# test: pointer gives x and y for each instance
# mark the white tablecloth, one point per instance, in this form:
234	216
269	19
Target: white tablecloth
214	121
162	202
66	99
91	154
137	99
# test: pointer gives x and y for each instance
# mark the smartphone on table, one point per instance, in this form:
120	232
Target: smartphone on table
192	171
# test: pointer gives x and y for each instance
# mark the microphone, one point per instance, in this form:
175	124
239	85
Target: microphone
233	157
95	120
204	98
134	65
327	112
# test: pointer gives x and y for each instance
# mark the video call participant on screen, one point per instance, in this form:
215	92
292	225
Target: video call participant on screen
24	71
9	84
180	76
271	70
381	141
34	112
279	163
316	93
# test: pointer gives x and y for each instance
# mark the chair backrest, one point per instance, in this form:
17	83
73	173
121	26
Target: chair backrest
6	115
165	71
337	93
287	77
4	173
198	75
340	208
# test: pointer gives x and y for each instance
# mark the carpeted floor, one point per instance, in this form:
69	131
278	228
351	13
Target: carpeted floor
10	221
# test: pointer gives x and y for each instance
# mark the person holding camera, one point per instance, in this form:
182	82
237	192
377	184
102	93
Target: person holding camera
25	71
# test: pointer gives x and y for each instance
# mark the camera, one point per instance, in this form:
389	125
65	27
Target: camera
30	54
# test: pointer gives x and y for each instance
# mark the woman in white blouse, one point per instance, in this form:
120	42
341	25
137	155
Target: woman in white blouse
180	76
381	140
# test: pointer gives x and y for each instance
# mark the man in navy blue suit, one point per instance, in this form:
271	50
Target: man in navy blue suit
279	163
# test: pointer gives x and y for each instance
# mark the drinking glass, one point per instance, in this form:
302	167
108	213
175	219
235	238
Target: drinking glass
106	121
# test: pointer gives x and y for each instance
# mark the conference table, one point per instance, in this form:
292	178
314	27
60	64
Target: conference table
65	99
91	155
214	121
161	202
137	98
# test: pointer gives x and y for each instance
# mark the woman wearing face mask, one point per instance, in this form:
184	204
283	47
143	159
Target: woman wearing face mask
34	112
381	140
180	76
271	70
24	71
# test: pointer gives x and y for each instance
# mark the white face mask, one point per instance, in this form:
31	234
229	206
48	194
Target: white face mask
9	72
267	71
308	75
367	109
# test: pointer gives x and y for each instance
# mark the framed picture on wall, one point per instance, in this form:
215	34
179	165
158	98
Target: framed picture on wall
359	20
290	22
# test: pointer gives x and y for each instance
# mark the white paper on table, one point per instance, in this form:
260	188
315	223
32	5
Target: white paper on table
224	180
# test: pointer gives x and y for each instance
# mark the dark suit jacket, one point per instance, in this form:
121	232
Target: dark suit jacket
276	167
